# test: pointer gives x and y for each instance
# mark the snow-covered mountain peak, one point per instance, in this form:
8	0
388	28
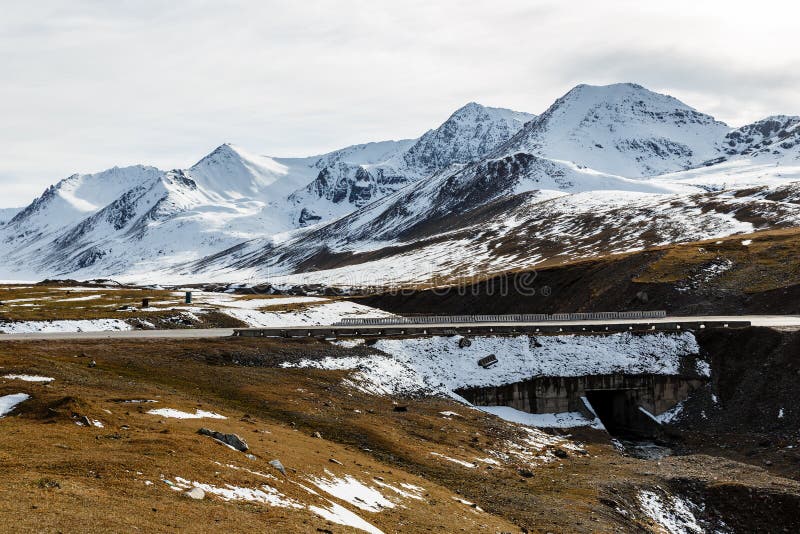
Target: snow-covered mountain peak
80	195
344	182
470	133
230	171
474	112
623	129
776	135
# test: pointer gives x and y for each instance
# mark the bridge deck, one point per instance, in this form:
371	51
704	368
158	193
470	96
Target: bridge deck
570	327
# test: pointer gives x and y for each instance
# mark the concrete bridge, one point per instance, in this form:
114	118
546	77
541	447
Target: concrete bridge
579	323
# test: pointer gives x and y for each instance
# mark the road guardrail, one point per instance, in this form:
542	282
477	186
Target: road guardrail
512	318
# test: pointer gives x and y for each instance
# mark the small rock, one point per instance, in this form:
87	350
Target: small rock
400	408
316	435
196	493
464	342
559	453
335	461
228	439
92	363
279	466
525	473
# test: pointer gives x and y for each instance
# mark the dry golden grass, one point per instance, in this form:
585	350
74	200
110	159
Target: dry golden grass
100	472
769	261
58	476
51	302
48	302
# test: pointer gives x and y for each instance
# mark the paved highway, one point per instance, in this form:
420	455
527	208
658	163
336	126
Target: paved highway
756	320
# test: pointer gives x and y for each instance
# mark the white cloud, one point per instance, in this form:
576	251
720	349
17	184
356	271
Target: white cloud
92	84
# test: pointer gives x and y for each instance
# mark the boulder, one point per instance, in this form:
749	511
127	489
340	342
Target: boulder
278	465
196	493
231	440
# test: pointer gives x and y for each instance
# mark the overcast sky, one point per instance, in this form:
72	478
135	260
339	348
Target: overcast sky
87	85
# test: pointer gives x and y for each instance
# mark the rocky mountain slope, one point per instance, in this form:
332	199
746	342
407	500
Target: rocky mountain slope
536	200
603	170
6	214
141	218
621	129
466	136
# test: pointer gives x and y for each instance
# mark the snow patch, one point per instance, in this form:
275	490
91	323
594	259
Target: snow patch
352	491
670	415
264	494
322	314
455	460
178	414
342	516
29	378
9	402
547	420
673	514
703	368
82	325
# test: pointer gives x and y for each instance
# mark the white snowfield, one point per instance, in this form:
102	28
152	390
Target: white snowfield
605	169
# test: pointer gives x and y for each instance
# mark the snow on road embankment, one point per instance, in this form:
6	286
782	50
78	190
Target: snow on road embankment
83	325
326	313
439	365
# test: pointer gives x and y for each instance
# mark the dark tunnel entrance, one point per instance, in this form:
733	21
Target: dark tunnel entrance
618	410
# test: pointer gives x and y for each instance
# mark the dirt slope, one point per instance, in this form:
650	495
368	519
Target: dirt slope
60	476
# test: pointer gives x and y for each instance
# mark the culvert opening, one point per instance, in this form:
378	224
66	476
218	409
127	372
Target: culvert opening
618	410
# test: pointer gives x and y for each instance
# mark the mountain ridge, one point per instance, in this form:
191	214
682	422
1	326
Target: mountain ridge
616	155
